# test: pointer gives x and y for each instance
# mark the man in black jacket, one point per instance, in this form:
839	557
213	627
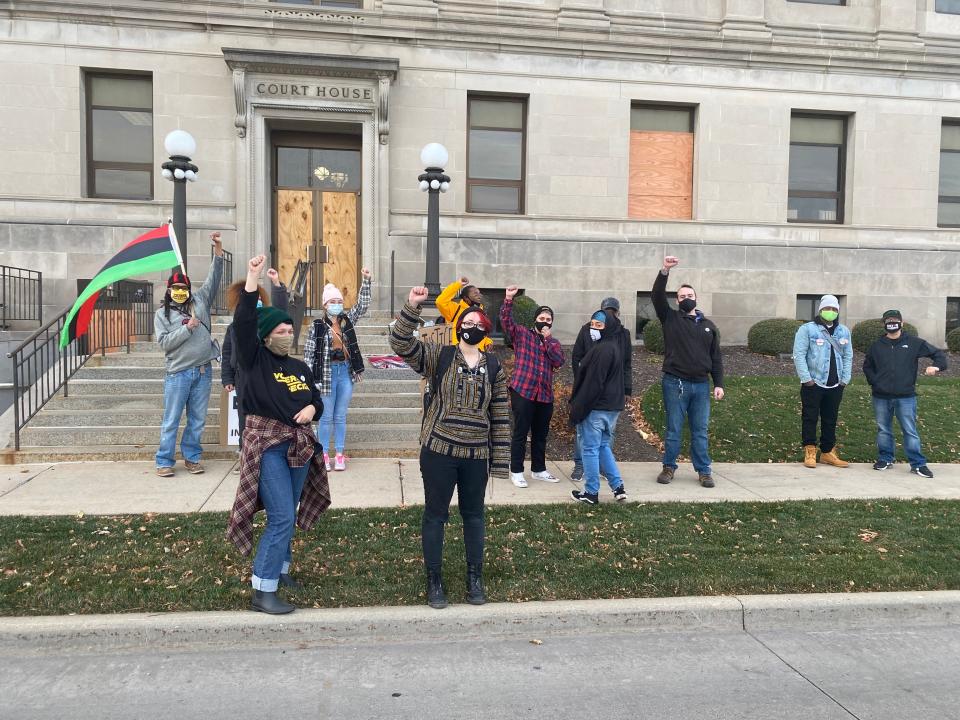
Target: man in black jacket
595	406
891	369
692	353
610	306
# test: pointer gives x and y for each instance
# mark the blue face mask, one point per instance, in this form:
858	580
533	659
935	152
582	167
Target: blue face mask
259	303
333	310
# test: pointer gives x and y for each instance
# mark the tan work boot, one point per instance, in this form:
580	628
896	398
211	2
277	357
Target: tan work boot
831	458
810	456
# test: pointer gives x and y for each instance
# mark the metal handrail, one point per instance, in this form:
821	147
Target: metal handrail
21	294
41	368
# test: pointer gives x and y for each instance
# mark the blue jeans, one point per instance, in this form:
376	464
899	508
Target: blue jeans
190	390
906	411
335	407
683	399
595	435
280	489
578	454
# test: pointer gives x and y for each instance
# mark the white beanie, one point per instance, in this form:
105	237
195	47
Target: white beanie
330	291
825	301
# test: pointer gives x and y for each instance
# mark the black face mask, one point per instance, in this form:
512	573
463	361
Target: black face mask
687	304
893	327
473	336
540	325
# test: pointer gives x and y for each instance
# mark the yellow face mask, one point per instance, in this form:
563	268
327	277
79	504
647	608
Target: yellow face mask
179	295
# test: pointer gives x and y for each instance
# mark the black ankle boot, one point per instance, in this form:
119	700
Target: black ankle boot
268	602
475	594
436	595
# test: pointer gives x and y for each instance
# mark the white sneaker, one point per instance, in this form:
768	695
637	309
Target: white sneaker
340	462
545	476
518	479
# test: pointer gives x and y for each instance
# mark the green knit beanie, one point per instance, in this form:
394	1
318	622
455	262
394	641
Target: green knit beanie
268	318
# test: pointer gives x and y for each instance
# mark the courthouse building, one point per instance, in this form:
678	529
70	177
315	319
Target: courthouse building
781	148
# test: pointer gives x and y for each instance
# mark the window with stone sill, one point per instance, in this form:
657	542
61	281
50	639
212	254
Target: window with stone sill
948	207
646	312
496	154
807	306
661	162
817	173
949	7
119	130
953	313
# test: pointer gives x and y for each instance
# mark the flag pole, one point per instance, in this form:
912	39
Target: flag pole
176	249
176	244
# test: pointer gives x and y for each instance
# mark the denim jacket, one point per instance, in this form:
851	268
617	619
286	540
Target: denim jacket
811	353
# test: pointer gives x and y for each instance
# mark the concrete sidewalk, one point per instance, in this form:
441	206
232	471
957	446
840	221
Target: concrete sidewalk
132	487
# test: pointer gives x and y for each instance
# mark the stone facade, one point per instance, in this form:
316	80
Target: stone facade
745	64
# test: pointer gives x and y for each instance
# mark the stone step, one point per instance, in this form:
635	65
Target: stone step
110	416
154	386
33	436
120	453
144	401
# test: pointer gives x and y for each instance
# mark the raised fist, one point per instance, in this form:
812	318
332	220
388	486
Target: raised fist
256	264
366	273
511	292
274	277
418	296
670	261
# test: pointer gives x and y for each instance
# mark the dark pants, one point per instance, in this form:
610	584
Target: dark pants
441	473
529	415
820	404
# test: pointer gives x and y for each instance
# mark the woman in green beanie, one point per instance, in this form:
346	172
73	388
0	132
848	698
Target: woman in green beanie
280	469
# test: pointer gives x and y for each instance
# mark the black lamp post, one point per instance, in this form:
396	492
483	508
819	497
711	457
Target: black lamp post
434	156
181	146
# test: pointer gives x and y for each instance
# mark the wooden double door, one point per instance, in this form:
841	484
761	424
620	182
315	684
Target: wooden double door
317	191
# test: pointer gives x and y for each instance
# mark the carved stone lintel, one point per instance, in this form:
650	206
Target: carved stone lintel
240	98
384	110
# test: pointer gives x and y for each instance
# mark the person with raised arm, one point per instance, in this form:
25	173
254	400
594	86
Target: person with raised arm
280	467
465	435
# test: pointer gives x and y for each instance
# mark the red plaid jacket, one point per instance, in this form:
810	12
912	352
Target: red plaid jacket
535	358
261	434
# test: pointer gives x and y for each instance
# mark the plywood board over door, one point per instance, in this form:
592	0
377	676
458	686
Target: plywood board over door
661	175
340	238
294	231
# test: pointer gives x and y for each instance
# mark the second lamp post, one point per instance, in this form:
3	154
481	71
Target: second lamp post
180	146
434	157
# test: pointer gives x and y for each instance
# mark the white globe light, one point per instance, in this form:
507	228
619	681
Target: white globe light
179	174
180	142
191	175
168	174
435	184
424	185
434	155
444	186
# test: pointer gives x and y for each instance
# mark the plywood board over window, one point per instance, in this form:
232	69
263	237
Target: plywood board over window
661	175
340	237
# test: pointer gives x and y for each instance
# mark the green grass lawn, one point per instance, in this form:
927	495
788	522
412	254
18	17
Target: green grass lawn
759	421
372	557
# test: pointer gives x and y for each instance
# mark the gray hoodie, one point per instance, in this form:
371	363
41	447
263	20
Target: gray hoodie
186	348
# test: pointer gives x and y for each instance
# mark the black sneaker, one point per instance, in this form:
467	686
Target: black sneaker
882	465
584	497
923	471
620	494
577	474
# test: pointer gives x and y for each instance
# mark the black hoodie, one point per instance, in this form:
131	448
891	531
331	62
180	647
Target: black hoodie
599	381
891	365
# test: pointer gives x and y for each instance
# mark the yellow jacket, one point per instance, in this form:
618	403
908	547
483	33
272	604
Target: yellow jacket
451	310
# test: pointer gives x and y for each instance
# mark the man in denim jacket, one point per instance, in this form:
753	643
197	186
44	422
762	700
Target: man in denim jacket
823	356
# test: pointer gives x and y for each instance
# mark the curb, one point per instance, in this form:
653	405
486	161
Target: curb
532	621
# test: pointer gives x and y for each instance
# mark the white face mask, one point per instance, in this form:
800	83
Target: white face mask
594	334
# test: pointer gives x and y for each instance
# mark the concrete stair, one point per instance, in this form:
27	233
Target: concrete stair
114	404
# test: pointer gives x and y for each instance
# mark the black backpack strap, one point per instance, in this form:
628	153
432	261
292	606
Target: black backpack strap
493	367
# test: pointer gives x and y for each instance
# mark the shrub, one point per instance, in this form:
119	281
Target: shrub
524	310
866	331
653	337
953	340
773	336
